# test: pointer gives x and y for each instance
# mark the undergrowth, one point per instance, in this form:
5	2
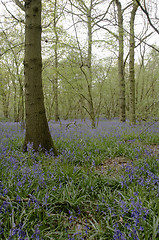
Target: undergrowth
86	192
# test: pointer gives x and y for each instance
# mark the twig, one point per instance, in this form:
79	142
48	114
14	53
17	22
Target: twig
147	127
14	199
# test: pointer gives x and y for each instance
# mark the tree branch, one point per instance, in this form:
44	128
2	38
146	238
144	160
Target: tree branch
147	15
19	4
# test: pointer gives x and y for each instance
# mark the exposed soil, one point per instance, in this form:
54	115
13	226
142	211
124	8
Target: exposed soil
154	149
116	164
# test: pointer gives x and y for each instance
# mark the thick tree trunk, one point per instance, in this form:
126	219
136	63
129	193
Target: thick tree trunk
37	130
131	66
121	63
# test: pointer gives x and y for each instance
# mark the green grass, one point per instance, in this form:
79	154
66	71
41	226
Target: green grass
85	193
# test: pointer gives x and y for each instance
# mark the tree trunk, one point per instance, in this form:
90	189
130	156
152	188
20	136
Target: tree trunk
5	102
56	64
89	64
16	117
121	63
131	65
37	130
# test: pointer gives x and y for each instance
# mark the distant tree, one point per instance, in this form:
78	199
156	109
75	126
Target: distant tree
89	62
131	64
85	14
12	68
55	20
88	12
5	93
121	62
111	99
147	90
52	15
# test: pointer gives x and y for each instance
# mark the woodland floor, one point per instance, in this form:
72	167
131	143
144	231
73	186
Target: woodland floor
104	184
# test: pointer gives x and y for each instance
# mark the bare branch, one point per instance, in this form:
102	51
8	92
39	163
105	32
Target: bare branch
19	4
147	15
22	21
10	48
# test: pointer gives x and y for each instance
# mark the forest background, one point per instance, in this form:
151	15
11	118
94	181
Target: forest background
87	54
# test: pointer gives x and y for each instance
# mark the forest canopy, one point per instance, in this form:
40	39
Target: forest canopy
87	49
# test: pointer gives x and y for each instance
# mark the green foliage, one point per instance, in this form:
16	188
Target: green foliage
86	192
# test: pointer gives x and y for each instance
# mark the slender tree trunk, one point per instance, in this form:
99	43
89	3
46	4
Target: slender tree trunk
5	102
56	64
56	88
15	104
121	63
22	103
131	65
37	130
89	64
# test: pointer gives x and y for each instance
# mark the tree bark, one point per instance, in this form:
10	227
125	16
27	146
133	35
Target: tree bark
5	102
37	130
56	63
131	65
121	63
89	64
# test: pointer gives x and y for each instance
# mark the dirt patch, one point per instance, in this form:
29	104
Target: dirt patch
114	164
154	149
